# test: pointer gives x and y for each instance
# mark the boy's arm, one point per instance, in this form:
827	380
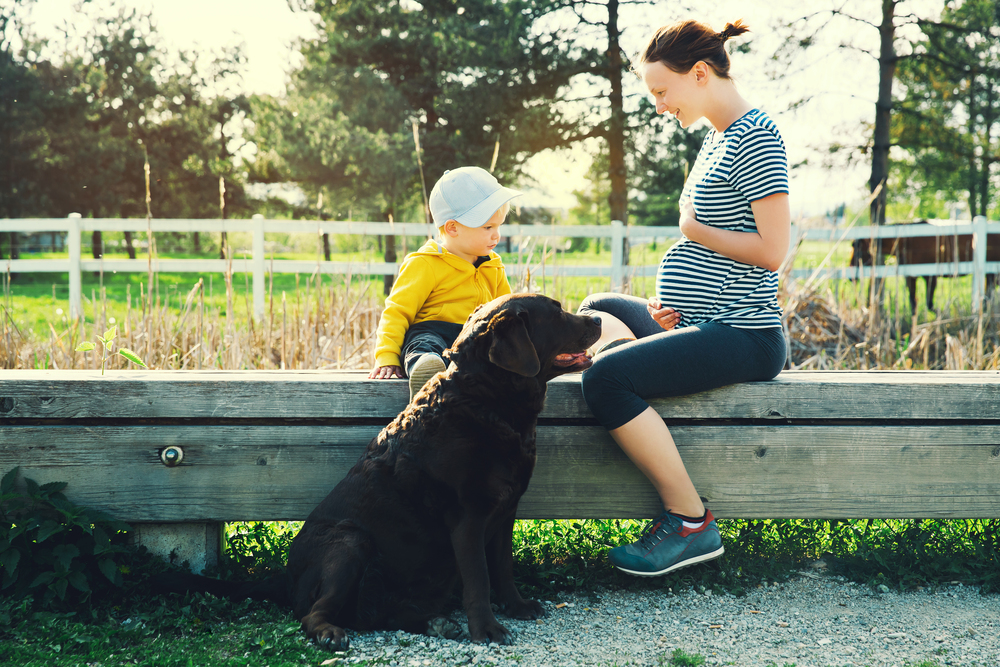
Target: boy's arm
409	292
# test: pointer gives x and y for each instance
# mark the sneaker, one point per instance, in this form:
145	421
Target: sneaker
667	545
610	345
426	367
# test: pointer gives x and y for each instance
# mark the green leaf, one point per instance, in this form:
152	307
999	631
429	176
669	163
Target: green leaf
85	346
7	483
43	578
109	569
60	588
132	356
78	581
54	487
8	580
47	530
9	559
65	553
101	541
111	334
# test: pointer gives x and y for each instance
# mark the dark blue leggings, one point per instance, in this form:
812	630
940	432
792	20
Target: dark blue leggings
671	363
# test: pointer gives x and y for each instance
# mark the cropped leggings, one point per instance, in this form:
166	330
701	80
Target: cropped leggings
671	363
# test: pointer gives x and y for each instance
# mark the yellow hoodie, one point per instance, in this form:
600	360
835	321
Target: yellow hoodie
434	284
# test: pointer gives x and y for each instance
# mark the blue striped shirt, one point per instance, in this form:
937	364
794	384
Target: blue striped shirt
744	163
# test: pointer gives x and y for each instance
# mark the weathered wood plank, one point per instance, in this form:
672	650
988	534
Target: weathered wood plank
230	395
281	472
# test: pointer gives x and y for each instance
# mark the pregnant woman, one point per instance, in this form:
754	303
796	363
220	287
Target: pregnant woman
715	318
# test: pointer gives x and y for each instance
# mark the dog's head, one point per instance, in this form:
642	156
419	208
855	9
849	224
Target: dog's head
527	334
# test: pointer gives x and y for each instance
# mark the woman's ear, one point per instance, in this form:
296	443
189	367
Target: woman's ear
701	71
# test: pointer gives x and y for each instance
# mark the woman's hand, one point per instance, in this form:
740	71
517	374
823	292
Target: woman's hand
666	317
689	222
386	372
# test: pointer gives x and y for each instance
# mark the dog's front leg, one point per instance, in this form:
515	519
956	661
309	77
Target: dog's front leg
468	541
500	560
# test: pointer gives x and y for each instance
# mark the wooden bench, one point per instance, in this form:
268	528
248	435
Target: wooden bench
270	445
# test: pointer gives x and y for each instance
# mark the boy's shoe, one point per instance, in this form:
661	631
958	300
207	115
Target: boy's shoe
610	345
426	367
667	545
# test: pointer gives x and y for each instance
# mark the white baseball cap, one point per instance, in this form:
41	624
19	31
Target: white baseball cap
470	195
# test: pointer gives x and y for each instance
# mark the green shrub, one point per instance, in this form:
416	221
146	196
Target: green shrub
53	550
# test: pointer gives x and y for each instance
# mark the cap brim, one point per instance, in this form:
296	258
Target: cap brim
484	210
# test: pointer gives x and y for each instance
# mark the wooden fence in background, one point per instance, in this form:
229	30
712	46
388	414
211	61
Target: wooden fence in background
257	263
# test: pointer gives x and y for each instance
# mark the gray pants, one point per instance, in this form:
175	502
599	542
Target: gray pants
671	363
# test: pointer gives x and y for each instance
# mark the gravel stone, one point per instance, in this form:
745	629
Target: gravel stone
810	621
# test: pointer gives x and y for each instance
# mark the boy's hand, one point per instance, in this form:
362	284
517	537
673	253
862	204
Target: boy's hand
665	316
386	372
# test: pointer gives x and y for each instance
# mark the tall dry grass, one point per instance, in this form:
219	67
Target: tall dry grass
330	323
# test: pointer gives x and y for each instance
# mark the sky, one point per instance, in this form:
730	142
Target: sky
842	81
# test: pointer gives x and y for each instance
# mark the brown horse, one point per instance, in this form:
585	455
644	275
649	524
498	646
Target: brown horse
926	250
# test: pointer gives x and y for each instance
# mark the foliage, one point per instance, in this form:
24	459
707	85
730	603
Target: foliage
107	340
466	76
947	109
82	124
52	549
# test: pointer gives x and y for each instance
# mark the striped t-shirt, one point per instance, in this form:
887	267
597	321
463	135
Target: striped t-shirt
744	163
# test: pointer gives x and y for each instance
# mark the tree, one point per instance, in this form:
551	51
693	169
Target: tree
948	121
88	119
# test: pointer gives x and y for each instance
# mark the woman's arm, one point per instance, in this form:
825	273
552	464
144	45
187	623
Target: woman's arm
766	248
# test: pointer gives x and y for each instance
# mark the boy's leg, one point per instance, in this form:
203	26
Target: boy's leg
422	349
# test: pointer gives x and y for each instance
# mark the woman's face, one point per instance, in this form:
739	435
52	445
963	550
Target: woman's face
673	93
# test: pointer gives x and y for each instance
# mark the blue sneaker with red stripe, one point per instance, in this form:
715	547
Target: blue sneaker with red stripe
667	545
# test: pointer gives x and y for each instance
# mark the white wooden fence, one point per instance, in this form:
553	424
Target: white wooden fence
258	264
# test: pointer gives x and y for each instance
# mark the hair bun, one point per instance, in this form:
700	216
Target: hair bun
732	30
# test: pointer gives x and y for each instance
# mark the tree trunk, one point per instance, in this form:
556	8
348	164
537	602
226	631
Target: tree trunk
197	243
97	245
129	248
390	256
617	172
881	138
883	110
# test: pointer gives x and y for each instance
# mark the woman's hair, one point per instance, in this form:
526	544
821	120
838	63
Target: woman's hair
680	45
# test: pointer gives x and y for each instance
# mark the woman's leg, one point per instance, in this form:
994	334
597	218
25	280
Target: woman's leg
675	363
646	440
621	315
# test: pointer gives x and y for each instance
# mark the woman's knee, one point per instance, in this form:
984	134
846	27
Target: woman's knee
596	303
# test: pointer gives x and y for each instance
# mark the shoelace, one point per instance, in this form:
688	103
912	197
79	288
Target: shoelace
649	533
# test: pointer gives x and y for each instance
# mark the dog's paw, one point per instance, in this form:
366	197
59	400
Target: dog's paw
333	638
491	632
525	610
443	628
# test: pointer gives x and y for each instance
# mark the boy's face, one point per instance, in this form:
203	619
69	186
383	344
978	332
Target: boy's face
472	242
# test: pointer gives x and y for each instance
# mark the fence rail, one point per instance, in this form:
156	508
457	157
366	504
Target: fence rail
258	265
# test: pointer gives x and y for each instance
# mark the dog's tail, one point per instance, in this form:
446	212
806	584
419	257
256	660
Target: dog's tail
277	589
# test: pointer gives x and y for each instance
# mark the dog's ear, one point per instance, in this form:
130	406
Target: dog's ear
511	348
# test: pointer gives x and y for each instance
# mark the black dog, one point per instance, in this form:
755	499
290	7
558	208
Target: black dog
431	503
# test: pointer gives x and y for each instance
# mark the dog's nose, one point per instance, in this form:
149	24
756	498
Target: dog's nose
596	320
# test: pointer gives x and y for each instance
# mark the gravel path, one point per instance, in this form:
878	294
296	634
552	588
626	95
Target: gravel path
813	620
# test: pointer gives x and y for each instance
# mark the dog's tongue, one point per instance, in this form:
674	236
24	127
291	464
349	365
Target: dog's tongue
569	359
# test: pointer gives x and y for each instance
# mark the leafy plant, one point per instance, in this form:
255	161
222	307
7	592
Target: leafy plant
52	549
106	340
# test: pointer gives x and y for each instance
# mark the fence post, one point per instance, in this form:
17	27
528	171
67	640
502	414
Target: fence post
75	283
617	255
978	262
258	266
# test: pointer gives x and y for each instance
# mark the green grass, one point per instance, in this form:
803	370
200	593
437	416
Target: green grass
552	557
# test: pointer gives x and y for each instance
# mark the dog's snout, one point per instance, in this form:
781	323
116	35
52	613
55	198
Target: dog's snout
595	319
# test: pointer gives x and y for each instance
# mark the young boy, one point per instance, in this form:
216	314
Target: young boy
440	285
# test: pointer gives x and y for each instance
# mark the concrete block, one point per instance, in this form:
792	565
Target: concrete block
197	543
